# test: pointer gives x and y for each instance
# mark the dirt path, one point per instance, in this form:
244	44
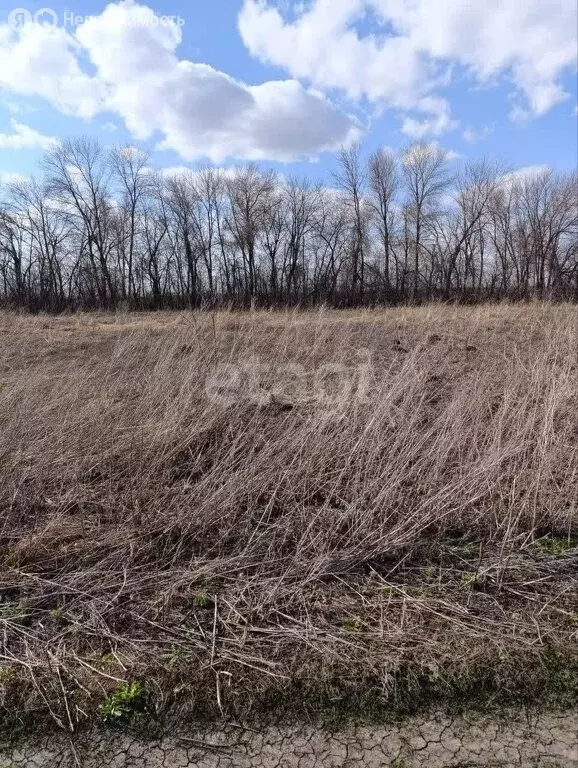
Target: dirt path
521	739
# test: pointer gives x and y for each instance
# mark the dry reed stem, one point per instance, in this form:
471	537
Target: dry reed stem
149	529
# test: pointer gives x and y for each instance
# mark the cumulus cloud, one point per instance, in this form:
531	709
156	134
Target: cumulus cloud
415	45
189	107
17	108
472	135
520	175
41	60
195	174
437	122
11	177
24	137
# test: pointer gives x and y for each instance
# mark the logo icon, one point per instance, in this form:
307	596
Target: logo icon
47	17
19	17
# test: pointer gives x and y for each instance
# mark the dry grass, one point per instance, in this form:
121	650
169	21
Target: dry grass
414	533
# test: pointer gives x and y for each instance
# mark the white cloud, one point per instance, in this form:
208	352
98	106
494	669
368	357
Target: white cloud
109	127
174	171
322	46
179	171
24	137
452	155
410	53
17	108
471	135
418	148
519	114
522	174
191	108
438	122
41	60
11	177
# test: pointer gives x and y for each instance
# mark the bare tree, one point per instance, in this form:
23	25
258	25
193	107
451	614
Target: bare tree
475	187
47	231
383	177
12	257
350	180
426	178
549	202
130	170
155	225
79	178
101	227
329	244
182	199
249	193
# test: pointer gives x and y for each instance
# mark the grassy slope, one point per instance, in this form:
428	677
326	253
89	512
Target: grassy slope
248	513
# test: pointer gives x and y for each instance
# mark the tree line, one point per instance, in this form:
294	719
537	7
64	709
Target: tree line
101	230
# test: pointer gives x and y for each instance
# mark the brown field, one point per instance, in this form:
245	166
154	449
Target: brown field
287	510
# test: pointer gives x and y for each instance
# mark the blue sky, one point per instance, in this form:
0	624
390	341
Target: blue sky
286	83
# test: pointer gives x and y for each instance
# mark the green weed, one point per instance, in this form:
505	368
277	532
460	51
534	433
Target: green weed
352	625
555	545
124	703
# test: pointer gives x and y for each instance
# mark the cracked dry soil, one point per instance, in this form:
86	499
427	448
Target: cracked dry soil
522	739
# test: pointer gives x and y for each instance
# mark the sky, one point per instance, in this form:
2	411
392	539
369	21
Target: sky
286	83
